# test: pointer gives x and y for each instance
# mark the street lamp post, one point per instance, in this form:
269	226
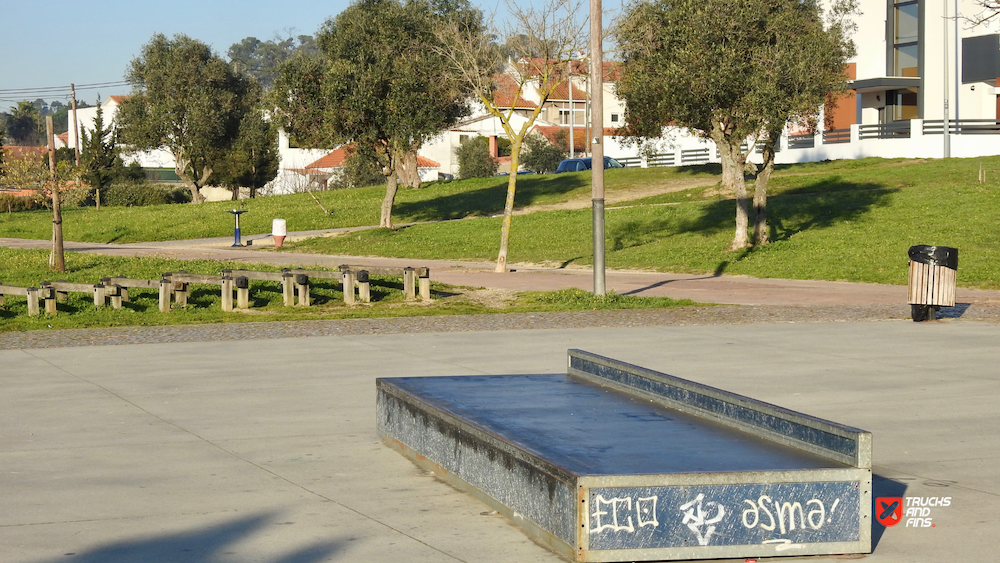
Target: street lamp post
597	143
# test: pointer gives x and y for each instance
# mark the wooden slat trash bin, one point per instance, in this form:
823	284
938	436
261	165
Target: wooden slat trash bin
933	276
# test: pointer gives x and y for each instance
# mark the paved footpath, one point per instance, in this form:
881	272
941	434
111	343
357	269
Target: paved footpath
739	290
265	450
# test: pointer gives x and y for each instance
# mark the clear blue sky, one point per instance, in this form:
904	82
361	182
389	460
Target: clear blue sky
58	42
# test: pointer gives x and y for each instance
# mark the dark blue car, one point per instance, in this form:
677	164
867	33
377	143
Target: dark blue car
580	164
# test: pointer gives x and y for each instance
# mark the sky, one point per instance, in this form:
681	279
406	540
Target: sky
59	42
46	46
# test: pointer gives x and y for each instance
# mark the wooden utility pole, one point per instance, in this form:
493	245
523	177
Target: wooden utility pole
57	261
76	130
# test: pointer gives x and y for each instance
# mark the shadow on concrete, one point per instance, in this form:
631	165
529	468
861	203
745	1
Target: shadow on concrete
211	545
882	487
955	312
666	282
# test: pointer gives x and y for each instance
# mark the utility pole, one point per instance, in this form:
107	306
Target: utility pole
572	110
57	260
597	143
76	130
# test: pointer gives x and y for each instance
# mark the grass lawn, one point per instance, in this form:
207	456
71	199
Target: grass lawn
348	208
845	220
30	268
842	220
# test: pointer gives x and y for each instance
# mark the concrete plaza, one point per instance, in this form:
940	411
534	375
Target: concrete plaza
266	451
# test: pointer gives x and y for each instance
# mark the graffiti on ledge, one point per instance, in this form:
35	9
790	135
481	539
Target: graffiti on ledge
783	514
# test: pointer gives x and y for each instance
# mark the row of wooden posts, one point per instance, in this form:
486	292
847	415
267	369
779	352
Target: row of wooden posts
174	287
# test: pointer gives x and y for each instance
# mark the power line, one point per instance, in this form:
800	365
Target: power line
21	93
66	87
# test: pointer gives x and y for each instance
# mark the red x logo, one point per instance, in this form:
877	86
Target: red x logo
889	510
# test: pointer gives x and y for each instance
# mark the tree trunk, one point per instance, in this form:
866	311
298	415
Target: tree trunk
760	234
57	259
391	185
412	177
508	207
733	166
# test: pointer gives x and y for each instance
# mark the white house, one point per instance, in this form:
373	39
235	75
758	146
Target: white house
160	163
918	64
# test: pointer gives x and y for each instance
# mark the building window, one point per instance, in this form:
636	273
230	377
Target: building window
565	116
463	138
906	46
614	116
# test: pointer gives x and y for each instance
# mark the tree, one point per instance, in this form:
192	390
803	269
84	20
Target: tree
100	161
380	83
253	161
540	155
808	57
474	159
23	126
187	100
548	38
725	69
262	59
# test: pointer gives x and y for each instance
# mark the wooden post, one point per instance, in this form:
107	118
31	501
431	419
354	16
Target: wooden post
288	289
99	295
227	294
348	285
409	283
242	292
364	287
165	295
57	260
49	296
33	302
302	285
425	286
116	296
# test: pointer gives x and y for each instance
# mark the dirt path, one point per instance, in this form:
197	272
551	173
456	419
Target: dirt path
620	196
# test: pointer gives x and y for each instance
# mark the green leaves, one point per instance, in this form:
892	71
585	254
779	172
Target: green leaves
186	99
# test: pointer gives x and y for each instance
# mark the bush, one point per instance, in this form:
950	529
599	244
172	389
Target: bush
474	160
137	194
358	171
539	155
11	203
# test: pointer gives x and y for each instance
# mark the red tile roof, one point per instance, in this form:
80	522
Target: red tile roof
337	157
17	152
117	99
505	94
561	92
612	69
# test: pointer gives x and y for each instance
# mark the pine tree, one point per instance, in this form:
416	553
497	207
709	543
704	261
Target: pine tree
99	160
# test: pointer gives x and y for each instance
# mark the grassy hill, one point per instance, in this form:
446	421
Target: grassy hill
843	220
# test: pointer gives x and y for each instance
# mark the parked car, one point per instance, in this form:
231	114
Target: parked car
580	164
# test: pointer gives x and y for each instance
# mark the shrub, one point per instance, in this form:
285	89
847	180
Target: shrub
358	171
474	160
10	203
136	194
539	155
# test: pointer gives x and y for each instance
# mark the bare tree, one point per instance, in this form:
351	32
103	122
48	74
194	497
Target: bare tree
538	46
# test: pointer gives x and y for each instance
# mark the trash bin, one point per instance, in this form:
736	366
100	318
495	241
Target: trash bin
933	273
278	231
